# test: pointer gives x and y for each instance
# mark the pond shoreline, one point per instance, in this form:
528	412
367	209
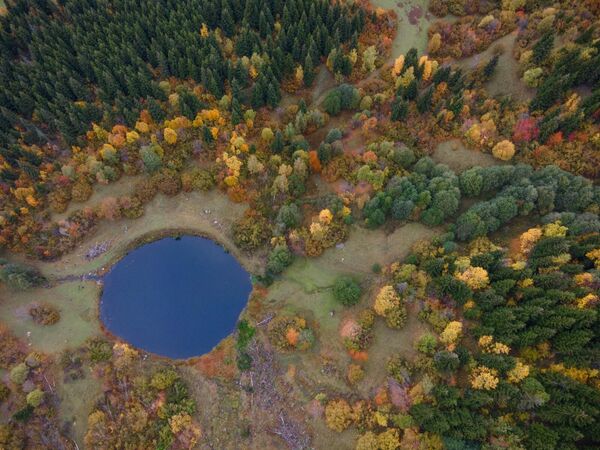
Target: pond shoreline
199	307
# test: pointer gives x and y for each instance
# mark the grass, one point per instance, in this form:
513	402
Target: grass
409	35
77	400
506	80
455	155
78	309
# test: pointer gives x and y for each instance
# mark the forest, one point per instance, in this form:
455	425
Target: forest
419	218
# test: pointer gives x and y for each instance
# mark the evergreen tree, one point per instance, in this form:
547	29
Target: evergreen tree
543	47
237	115
490	67
309	71
424	101
277	144
411	91
399	109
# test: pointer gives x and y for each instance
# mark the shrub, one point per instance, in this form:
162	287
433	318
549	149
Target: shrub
44	314
427	344
197	180
99	350
19	276
35	397
290	333
347	291
279	258
396	317
19	373
355	373
338	415
163	379
4	392
251	231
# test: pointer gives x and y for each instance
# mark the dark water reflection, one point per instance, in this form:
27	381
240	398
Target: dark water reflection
175	297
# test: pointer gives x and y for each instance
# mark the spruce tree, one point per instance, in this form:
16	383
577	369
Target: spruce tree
399	109
237	115
277	144
543	47
309	71
424	101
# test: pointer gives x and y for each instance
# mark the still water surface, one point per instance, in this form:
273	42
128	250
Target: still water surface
175	297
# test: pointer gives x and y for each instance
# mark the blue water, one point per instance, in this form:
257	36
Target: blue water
175	297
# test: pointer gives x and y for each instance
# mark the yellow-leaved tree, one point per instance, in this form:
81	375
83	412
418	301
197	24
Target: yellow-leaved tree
474	277
338	415
170	136
484	378
451	333
504	150
386	299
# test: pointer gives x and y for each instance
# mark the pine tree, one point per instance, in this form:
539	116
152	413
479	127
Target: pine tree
237	115
411	91
155	110
258	99
424	101
227	22
309	71
399	109
543	47
490	68
273	95
277	144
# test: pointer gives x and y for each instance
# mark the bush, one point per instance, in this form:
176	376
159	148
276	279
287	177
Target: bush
163	379
251	231
4	392
19	276
333	135
197	180
338	415
347	291
279	258
35	397
44	314
19	373
427	344
99	350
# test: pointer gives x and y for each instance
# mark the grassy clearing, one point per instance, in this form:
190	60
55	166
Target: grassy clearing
205	213
77	302
506	80
411	33
77	399
459	158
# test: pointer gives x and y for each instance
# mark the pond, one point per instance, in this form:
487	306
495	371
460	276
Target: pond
175	297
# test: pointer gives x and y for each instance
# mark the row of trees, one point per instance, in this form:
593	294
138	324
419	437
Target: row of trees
521	191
